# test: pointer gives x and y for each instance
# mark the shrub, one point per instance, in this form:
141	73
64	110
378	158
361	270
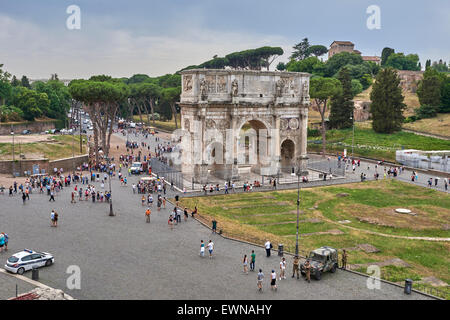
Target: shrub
426	111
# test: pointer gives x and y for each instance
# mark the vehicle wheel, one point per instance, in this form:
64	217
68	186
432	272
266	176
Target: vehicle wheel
333	269
20	271
318	275
48	262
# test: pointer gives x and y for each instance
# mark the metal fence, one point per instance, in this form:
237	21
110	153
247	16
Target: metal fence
337	168
169	173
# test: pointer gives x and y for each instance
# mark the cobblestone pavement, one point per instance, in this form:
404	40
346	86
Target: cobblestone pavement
123	257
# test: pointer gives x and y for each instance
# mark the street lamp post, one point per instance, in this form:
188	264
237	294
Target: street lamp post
111	212
353	135
298	210
14	160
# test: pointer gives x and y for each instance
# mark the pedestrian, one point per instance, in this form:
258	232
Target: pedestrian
202	248
283	268
147	215
273	281
73	197
344	259
295	266
52	196
170	222
164	202
24	197
307	271
245	263
445	184
52	218
260	278
252	261
186	215
210	248
2	242
5	235
214	226
143	200
268	247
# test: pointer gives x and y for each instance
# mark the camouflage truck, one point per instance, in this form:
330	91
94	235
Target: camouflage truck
321	260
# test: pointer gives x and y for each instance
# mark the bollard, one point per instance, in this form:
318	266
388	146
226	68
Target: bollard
280	250
408	286
35	274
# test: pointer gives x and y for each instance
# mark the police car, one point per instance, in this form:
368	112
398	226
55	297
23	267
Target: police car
27	260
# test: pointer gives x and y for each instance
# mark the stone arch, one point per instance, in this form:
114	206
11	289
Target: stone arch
287	154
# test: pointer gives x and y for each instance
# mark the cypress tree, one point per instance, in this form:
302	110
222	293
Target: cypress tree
387	102
342	106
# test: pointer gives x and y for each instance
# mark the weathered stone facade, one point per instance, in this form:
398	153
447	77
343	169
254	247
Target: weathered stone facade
223	101
409	80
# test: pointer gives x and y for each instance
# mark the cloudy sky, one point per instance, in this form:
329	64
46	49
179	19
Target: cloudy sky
121	38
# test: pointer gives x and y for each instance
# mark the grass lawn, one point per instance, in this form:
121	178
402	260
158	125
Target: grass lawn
370	208
163	125
56	147
368	143
439	125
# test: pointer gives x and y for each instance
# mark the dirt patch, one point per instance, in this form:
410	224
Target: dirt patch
389	218
391	262
333	232
282	203
29	138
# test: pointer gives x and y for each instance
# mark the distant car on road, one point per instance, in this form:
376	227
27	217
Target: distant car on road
27	260
26	131
321	260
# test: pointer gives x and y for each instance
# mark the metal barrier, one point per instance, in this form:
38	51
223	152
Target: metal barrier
337	168
170	174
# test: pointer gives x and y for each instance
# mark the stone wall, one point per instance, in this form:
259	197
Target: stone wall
34	127
409	80
362	110
19	166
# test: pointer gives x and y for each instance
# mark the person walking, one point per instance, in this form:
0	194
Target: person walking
260	278
210	248
268	247
2	242
5	235
52	218
245	263
170	222
186	215
147	215
52	196
202	248
283	268
252	261
273	280
445	184
24	197
295	266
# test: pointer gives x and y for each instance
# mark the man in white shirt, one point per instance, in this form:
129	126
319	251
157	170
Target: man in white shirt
210	248
268	246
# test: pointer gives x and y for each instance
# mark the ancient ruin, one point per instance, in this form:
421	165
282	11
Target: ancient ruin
236	121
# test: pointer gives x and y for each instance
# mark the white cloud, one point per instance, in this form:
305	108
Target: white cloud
37	52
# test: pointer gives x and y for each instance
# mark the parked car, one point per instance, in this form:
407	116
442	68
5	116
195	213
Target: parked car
321	260
27	260
26	131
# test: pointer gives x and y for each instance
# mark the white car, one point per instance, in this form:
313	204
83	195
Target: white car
27	260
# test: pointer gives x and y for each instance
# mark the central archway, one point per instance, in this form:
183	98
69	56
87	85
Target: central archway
252	145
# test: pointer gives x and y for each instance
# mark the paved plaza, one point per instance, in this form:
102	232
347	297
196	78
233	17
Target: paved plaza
123	257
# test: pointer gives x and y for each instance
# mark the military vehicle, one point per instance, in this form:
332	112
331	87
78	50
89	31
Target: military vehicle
321	260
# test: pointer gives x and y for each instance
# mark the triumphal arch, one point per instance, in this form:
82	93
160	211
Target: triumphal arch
237	121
